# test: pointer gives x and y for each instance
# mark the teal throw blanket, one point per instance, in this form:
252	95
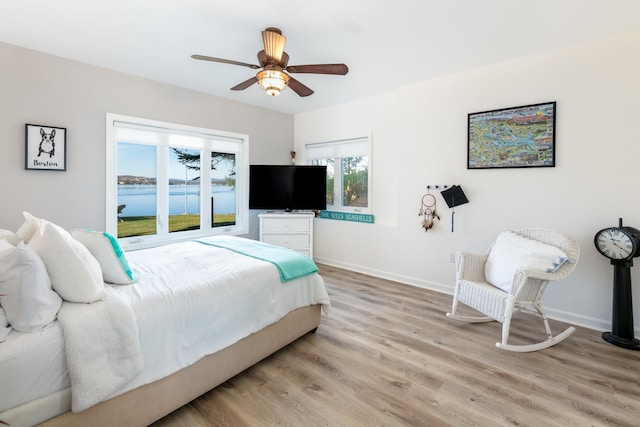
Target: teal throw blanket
290	264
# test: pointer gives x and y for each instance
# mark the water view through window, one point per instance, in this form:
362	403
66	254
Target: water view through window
139	194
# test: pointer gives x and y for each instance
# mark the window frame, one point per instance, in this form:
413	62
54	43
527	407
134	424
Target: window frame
361	144
210	140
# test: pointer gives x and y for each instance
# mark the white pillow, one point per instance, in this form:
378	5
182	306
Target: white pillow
5	244
9	236
4	325
25	289
106	249
75	274
28	227
513	252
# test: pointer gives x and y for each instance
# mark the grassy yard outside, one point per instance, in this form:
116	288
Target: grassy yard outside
146	225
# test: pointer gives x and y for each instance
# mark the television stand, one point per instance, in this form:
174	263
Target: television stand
293	230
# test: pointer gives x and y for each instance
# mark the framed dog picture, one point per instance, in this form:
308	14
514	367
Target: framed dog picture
45	147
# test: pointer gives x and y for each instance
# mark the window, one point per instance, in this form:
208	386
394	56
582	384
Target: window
348	172
158	189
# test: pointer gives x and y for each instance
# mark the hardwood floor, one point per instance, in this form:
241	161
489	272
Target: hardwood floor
387	356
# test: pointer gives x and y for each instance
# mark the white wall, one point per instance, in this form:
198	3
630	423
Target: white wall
419	138
47	90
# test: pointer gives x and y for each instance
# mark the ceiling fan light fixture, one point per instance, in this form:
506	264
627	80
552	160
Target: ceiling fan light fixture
272	81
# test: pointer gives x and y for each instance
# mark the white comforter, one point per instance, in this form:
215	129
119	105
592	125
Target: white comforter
191	300
102	347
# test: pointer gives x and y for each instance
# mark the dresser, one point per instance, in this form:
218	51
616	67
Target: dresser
290	230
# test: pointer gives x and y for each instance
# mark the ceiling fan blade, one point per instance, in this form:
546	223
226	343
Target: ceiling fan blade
340	69
245	84
274	42
225	61
299	88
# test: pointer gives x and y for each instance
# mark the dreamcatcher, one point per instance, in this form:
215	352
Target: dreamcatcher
428	211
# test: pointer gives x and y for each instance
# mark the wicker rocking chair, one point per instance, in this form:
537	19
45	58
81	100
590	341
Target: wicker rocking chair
521	251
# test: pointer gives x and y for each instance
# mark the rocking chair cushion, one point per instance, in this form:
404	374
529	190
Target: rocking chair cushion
513	252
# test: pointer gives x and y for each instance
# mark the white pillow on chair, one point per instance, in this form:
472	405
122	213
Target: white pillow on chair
513	252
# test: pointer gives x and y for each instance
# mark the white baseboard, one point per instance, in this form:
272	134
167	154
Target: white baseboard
408	280
579	319
560	315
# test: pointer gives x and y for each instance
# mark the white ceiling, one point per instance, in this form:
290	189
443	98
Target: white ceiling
385	43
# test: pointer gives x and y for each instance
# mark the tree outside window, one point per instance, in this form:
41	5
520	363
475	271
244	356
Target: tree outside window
348	178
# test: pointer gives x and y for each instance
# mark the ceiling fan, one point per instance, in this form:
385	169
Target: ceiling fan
273	62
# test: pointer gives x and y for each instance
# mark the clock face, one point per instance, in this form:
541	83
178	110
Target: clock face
614	243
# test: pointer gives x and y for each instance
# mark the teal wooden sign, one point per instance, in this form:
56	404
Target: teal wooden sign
347	216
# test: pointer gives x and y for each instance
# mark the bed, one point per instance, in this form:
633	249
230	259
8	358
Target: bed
198	313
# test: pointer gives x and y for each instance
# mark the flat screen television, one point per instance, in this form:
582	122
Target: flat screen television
287	187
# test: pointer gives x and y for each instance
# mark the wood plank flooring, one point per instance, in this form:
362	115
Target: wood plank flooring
387	356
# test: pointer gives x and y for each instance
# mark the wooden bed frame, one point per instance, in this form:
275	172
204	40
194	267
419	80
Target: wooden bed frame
147	404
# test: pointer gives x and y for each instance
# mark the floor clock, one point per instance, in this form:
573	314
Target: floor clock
620	244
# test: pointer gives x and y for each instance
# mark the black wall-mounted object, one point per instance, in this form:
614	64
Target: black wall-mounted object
454	196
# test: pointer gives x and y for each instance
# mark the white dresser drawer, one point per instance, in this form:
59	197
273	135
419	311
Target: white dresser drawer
291	241
289	225
289	230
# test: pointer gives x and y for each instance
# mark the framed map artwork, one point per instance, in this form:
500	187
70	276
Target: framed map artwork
518	137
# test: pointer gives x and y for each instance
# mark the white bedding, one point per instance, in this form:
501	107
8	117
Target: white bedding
103	348
32	365
189	300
